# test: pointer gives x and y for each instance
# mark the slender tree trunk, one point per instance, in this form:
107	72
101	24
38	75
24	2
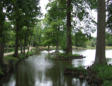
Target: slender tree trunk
21	49
17	40
2	19
57	42
1	52
48	48
24	43
16	9
24	49
100	44
69	40
57	48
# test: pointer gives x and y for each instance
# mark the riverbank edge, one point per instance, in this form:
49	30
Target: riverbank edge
10	66
64	57
73	47
97	75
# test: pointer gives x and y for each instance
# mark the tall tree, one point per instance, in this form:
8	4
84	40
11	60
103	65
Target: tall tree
69	29
17	27
2	19
3	5
55	21
100	43
23	14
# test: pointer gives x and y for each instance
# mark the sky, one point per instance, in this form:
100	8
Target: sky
43	4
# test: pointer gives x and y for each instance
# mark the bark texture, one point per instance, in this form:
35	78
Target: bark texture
69	40
17	40
100	44
2	18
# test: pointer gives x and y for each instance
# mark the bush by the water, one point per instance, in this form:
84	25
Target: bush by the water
68	55
104	72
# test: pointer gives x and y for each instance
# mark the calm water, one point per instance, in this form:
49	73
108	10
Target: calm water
40	71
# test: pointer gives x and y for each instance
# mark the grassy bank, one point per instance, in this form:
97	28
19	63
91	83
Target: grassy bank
54	48
98	75
104	73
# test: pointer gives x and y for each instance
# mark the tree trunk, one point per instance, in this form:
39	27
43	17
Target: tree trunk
57	42
21	49
1	52
24	50
100	43
69	40
2	19
16	9
57	48
25	44
17	40
48	48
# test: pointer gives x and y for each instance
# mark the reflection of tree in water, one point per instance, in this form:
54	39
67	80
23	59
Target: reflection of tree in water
56	73
25	75
77	82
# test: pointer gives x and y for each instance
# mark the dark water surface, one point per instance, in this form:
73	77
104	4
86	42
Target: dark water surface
37	70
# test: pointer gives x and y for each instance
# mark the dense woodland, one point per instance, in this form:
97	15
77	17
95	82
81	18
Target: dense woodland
67	24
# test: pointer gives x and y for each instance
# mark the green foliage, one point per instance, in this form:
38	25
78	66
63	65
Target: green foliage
109	17
30	53
68	55
8	34
37	34
79	67
10	59
107	83
92	3
48	37
103	71
80	39
63	40
92	42
1	73
79	70
8	49
108	39
54	23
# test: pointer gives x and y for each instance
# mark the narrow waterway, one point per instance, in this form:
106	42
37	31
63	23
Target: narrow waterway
37	70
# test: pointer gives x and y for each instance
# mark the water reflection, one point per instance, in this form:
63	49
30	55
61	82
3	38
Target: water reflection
77	82
11	82
56	74
40	71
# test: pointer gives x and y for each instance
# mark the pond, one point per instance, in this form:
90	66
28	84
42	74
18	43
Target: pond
40	71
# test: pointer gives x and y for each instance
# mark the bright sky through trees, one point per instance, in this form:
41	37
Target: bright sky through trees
43	4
